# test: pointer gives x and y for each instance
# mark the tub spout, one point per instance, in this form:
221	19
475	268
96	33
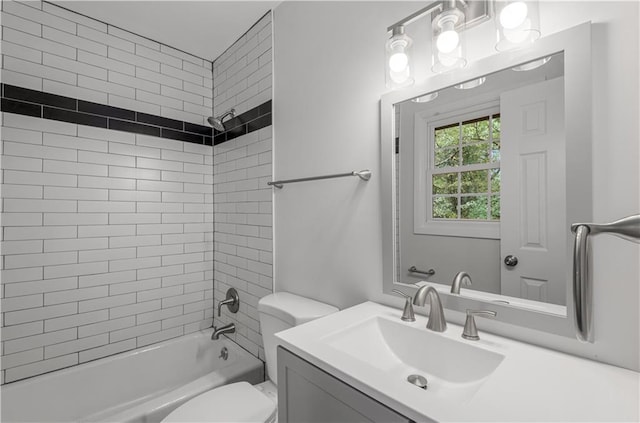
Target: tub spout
230	328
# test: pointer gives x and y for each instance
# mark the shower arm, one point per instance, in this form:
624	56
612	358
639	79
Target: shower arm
627	228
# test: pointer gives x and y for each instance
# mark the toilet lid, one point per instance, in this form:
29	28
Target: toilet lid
237	402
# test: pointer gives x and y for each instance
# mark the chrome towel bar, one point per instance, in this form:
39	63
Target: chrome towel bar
627	228
429	272
365	175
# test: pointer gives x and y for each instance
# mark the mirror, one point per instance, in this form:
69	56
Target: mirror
481	185
488	178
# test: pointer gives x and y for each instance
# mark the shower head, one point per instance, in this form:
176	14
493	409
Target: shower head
216	122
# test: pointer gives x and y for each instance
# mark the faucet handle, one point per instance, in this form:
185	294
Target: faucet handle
407	313
470	330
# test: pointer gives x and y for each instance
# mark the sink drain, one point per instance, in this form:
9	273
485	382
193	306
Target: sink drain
419	381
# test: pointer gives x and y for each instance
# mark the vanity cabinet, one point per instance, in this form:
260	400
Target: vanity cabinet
309	394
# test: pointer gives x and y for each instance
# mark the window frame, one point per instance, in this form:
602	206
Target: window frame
424	146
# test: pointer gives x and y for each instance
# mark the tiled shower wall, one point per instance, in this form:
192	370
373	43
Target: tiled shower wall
242	198
107	236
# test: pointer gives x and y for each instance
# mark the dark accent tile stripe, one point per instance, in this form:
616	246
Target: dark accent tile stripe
39	97
161	121
397	145
29	102
138	128
181	136
21	108
74	117
103	110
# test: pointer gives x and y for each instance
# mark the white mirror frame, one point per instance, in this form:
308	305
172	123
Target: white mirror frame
576	45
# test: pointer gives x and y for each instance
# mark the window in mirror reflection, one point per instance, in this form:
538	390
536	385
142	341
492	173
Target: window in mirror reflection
465	175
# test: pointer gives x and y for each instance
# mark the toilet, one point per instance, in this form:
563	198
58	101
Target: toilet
241	401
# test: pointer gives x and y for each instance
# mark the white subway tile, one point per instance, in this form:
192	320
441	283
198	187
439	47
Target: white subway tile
159	207
37	43
73	66
74	17
117	195
157	56
107	254
39	286
197	69
37	70
134	241
133	83
138	61
127	310
134	218
154	316
182	95
182	320
106	326
159	143
136	263
158	78
21	247
21	303
16	22
107	278
20	163
75	295
155	294
21	135
159	186
39	16
182	55
157	250
106	302
28	370
160	271
75	320
62	193
159	229
105	158
106	63
126	287
159	336
21	52
41	259
37	124
101	89
106	207
172	113
74	91
103	38
77	143
107	350
182	238
39	151
38	178
40	232
182	299
51	272
106	230
133	332
35	314
134	150
69	347
133	37
171	197
157	99
180	74
74	168
18	205
57	219
74	41
21	358
106	134
107	183
20	219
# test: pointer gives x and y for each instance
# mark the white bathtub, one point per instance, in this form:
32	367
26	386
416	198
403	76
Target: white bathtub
140	386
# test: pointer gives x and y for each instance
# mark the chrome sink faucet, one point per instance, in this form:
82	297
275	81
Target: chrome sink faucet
458	280
437	322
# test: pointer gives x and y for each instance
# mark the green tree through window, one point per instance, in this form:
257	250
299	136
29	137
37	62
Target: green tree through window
465	179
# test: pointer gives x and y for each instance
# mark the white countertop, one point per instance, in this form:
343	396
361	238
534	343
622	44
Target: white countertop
530	384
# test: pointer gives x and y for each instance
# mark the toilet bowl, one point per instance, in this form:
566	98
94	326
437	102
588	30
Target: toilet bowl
241	401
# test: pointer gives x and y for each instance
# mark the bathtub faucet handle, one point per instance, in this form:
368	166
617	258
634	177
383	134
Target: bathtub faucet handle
232	301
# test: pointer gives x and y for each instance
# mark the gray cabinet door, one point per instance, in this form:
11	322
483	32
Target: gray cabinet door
307	394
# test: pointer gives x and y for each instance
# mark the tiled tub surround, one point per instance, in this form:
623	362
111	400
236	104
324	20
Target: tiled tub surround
107	235
66	109
242	168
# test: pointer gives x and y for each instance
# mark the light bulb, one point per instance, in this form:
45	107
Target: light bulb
513	15
520	35
398	62
448	41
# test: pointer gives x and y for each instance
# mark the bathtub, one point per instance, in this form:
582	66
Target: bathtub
140	386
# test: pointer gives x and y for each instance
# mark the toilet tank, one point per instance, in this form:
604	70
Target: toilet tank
283	310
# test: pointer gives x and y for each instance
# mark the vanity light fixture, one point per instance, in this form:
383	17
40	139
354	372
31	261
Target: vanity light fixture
425	98
399	61
471	84
448	46
517	23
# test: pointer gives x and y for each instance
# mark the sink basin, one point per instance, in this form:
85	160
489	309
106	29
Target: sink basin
401	349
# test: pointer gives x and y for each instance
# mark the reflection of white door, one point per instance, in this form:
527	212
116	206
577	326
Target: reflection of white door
533	191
